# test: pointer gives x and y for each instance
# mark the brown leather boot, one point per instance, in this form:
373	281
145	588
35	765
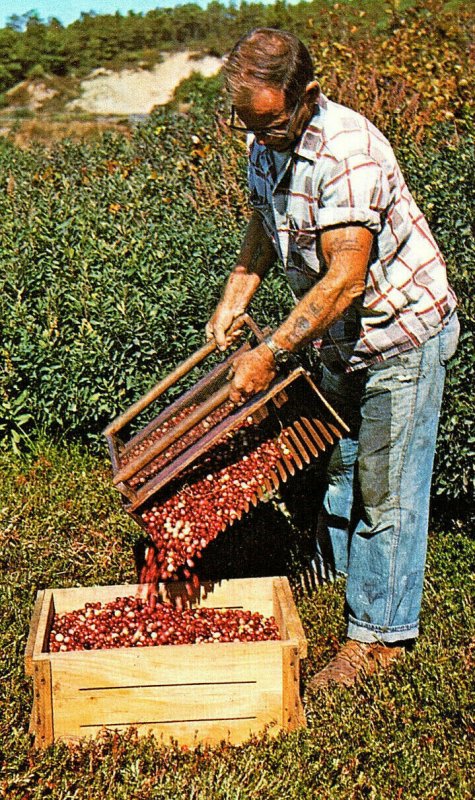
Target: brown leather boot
355	661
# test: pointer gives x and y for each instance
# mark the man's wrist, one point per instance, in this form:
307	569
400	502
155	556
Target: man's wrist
281	355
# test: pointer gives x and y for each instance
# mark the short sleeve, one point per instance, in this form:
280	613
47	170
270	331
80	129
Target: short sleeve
355	191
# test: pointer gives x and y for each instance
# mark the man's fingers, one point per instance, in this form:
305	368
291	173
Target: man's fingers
214	332
221	341
219	328
218	336
239	393
236	396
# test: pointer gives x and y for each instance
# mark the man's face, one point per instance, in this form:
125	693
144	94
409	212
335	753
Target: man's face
266	111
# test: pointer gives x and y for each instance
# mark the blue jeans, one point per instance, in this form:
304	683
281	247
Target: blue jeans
373	527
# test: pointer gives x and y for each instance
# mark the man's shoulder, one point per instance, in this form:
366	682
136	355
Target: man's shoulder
337	133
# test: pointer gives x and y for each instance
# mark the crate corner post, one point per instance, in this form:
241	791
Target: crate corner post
41	724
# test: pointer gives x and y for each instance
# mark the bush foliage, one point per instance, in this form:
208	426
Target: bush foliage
111	263
113	254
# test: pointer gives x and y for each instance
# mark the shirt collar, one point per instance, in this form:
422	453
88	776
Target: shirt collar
307	145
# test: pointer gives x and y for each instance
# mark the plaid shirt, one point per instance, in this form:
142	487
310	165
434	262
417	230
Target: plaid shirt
344	171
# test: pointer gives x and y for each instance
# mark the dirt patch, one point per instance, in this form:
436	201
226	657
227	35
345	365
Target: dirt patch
30	94
138	91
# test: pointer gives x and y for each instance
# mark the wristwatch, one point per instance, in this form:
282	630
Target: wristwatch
281	356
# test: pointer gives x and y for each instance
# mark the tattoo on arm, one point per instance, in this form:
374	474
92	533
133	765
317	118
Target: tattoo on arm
301	327
316	310
342	242
347	247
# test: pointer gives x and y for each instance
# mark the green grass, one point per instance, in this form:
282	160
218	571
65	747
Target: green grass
404	734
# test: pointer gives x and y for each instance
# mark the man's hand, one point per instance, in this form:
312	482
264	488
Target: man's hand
252	373
220	323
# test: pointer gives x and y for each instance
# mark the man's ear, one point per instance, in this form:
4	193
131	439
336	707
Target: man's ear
312	89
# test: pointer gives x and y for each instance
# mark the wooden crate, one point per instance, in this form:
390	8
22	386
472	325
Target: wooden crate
198	693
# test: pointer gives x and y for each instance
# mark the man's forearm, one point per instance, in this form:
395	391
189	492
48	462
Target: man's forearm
347	253
256	256
316	312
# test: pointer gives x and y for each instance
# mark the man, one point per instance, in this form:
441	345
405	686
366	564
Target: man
371	293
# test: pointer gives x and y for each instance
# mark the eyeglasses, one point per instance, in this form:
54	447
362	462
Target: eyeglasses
268	133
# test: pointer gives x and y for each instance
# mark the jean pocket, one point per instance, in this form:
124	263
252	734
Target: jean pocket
448	340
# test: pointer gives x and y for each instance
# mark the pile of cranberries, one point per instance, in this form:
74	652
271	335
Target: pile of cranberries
213	494
131	622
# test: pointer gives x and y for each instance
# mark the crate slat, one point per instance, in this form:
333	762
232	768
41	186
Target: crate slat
196	702
43	704
33	632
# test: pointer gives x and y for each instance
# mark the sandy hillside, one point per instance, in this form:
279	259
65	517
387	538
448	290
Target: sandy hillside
138	91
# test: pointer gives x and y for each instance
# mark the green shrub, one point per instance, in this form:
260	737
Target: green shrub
36	71
440	175
23	113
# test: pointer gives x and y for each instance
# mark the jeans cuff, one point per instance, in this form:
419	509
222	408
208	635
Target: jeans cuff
368	634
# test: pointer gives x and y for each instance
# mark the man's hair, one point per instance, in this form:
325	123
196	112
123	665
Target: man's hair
270	57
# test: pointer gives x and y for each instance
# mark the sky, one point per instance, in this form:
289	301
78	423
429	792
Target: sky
69	10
